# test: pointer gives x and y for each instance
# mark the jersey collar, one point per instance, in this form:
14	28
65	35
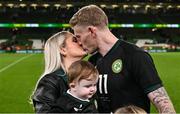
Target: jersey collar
115	46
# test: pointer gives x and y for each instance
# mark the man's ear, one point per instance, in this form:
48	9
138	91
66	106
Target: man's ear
92	29
63	51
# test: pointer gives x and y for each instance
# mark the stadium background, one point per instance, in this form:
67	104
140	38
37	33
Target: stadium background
26	24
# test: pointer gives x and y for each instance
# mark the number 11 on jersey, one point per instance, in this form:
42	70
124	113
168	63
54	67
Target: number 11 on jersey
103	83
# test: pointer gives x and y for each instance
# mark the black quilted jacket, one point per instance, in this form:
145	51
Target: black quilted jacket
49	90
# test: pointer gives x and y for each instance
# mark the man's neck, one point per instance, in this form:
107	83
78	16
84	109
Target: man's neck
106	43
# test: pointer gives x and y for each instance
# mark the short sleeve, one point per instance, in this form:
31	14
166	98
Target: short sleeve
144	72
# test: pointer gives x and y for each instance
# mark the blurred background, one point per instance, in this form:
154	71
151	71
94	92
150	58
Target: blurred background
25	25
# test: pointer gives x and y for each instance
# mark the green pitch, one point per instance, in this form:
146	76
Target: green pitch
19	73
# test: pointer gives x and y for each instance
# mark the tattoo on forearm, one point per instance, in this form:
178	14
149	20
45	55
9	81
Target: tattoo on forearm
159	96
161	100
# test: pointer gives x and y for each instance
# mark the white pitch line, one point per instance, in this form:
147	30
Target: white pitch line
10	65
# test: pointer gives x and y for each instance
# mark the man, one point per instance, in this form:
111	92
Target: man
127	73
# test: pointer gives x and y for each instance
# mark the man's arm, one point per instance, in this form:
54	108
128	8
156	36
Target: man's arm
161	100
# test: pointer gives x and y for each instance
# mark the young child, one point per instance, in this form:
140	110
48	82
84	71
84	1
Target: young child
131	109
82	80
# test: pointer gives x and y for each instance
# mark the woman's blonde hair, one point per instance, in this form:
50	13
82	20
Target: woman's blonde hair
131	109
52	56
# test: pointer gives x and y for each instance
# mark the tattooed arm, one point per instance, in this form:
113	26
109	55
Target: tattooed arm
161	101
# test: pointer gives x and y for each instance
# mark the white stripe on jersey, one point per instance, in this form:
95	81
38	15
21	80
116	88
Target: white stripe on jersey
105	83
100	82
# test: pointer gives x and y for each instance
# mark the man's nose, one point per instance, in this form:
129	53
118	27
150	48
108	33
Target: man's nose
79	42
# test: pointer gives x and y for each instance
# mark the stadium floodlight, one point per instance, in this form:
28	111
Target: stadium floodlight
147	6
57	6
69	5
22	5
10	5
159	6
125	6
103	5
136	6
169	6
115	6
46	5
34	5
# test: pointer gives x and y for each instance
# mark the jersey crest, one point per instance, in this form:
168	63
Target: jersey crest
117	66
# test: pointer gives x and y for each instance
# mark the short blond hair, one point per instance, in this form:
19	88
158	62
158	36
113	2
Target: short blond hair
131	109
82	70
89	15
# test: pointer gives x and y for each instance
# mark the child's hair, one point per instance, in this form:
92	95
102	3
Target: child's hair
82	70
130	109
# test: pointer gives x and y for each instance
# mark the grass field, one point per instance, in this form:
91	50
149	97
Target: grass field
19	73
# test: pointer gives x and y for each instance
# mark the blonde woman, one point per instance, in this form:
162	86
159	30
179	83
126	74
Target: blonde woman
60	51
